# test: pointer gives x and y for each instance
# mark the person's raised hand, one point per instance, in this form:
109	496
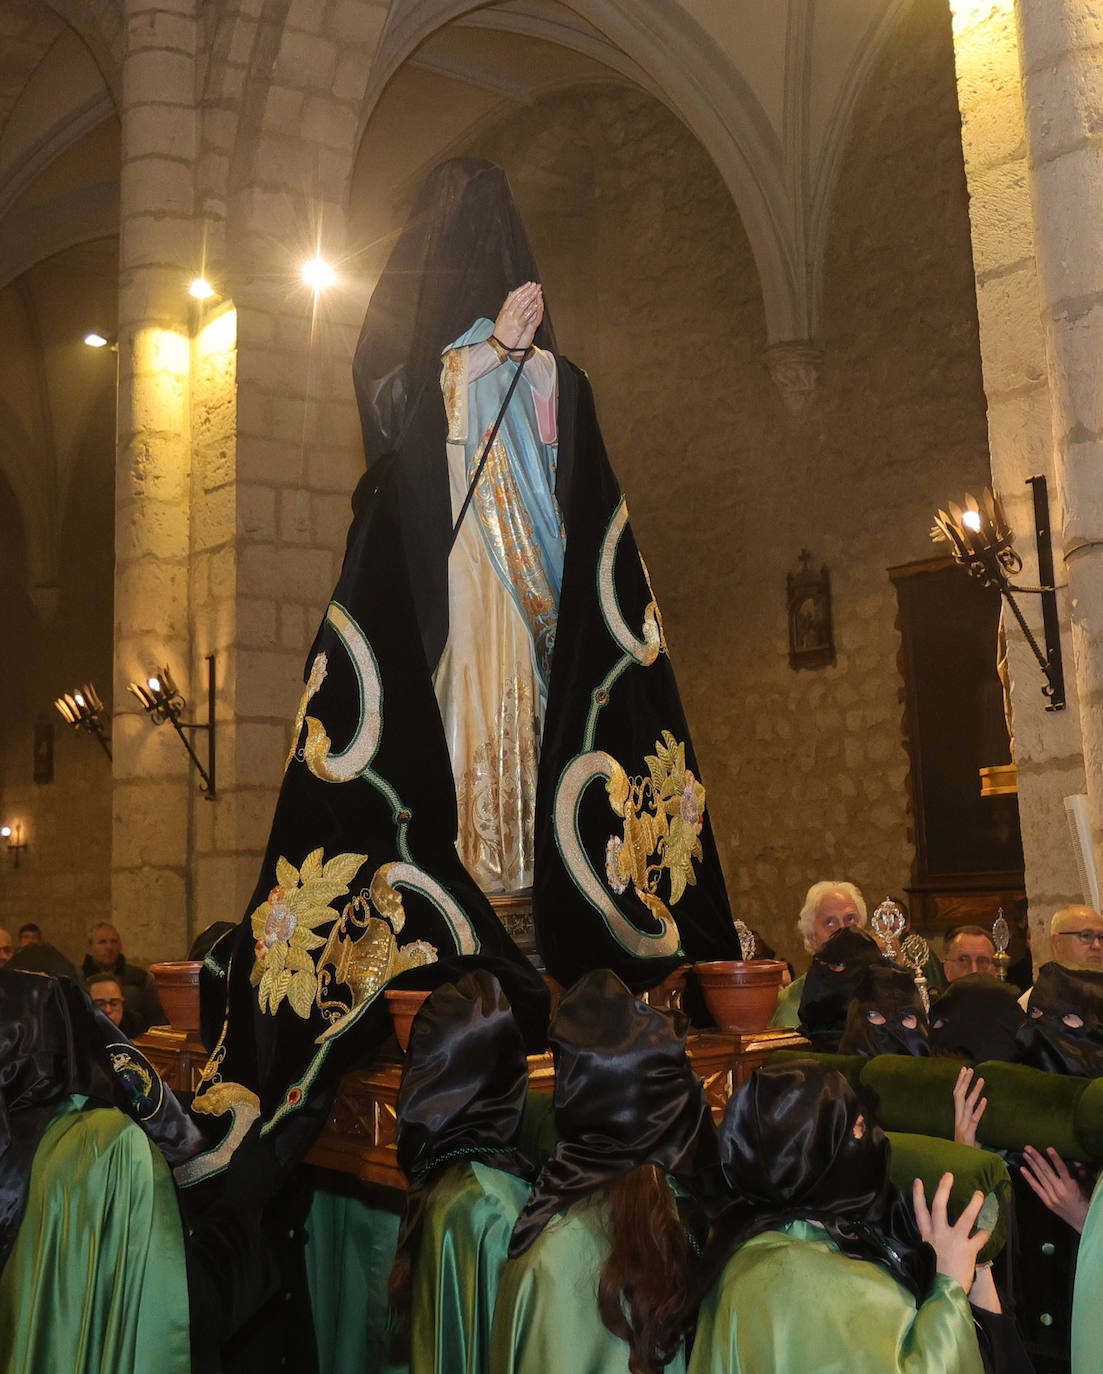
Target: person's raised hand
520	316
1052	1182
955	1247
968	1106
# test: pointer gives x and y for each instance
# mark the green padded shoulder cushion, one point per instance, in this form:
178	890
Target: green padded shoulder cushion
913	1094
925	1157
849	1065
1028	1106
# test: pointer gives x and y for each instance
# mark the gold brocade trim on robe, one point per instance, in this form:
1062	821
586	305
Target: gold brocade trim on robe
453	386
497	809
508	528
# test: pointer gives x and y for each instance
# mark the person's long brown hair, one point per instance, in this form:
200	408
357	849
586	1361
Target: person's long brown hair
643	1292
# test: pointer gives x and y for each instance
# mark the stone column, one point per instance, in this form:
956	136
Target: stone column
158	256
1061	43
1047	745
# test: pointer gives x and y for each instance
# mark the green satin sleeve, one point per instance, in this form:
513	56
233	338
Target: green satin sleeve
1087	1297
547	1319
463	1246
96	1283
787	1012
352	1232
791	1303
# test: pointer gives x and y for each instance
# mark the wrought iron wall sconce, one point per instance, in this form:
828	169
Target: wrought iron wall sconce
161	700
981	540
13	834
83	710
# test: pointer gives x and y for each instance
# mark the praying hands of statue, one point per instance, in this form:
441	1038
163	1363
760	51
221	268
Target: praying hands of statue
968	1106
1051	1180
520	316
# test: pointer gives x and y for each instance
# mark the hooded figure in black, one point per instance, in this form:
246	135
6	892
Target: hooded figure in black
886	1014
458	1119
792	1147
976	1018
630	1111
1064	1023
831	983
53	1043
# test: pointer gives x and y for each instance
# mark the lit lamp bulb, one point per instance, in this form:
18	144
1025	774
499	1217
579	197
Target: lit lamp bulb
318	274
153	683
5	832
971	519
94	339
201	289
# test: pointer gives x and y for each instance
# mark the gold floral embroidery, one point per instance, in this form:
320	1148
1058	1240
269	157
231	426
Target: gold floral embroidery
663	816
284	928
508	525
497	808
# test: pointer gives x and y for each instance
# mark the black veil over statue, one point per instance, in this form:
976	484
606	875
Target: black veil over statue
461	252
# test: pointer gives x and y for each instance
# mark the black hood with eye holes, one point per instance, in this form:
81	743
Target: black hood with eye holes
1048	1041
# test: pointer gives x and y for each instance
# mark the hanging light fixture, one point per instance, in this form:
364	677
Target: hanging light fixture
161	700
981	540
83	710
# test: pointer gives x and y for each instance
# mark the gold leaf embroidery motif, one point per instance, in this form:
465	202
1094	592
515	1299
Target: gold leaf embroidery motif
360	951
663	816
284	926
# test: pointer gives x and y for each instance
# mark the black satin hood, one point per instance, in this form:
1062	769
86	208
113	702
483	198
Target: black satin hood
1047	1041
788	1151
625	1095
977	1018
53	1042
890	993
466	1077
831	983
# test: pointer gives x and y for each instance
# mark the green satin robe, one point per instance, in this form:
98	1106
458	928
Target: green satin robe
352	1232
791	1303
96	1282
787	1011
547	1319
464	1243
1087	1297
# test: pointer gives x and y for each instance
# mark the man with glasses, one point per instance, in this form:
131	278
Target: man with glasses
1076	934
106	993
968	949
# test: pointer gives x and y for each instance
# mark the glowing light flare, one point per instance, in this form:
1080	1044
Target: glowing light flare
201	289
971	519
317	274
94	339
153	683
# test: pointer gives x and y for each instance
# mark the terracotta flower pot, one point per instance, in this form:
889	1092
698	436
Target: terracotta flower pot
404	1004
178	988
741	994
